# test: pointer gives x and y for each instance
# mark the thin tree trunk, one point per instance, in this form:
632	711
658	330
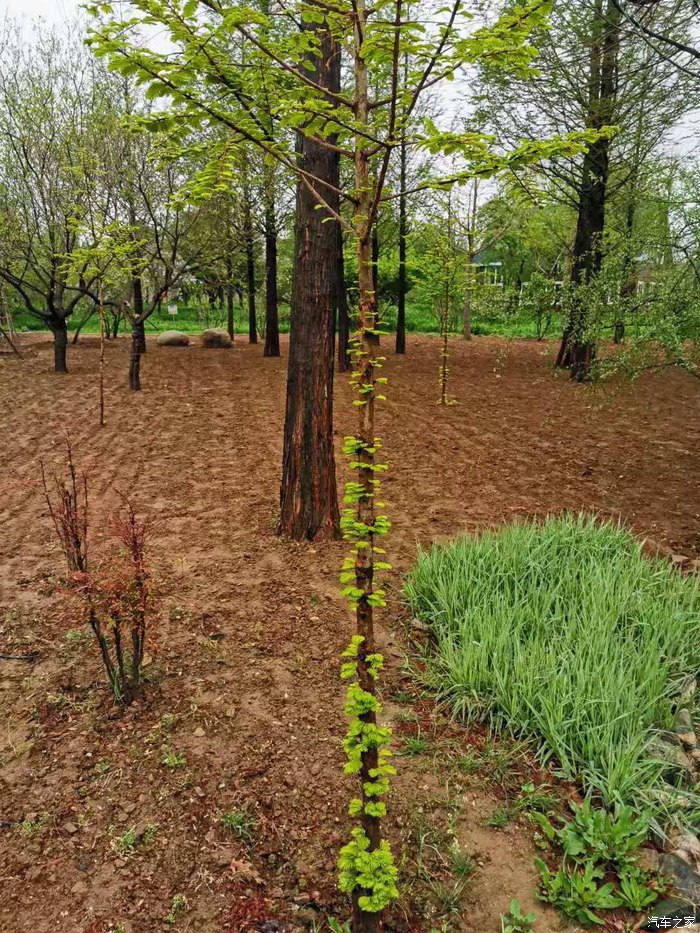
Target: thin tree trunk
249	240
229	309
629	276
138	336
308	493
8	336
375	263
365	921
272	328
6	327
471	253
403	232
342	306
79	327
103	327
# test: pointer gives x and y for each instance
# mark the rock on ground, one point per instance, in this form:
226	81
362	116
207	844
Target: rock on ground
216	337
686	880
173	338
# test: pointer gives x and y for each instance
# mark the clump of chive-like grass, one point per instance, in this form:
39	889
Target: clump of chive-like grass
564	632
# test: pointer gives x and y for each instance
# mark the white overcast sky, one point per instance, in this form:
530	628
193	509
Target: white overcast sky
52	10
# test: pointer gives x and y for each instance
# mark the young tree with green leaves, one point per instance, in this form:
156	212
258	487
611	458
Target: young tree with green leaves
53	104
593	72
202	84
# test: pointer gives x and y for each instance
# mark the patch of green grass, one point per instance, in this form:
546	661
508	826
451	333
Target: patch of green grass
534	799
462	863
77	636
470	763
173	759
448	897
497	760
414	745
192	318
125	844
241	821
531	799
563	632
406	715
501	817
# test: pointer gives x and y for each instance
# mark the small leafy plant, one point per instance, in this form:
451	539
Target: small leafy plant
515	921
177	907
29	828
611	838
577	893
597	844
125	844
635	890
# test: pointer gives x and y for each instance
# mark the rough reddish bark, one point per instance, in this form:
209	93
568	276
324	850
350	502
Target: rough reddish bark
308	494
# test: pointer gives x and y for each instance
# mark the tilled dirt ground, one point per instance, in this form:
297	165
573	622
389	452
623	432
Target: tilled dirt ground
246	703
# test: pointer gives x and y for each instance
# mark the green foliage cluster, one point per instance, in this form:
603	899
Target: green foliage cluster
563	632
598	845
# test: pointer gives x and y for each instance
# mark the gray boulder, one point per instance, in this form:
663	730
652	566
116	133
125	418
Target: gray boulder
216	338
686	880
173	338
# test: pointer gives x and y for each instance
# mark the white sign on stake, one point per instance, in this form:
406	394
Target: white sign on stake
172	309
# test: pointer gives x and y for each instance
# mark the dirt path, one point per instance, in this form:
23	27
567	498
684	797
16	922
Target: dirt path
257	711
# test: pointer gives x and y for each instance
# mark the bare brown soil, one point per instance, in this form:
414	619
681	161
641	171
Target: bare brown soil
245	659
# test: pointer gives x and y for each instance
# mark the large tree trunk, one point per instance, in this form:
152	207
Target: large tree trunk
343	311
272	327
59	329
308	494
577	349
